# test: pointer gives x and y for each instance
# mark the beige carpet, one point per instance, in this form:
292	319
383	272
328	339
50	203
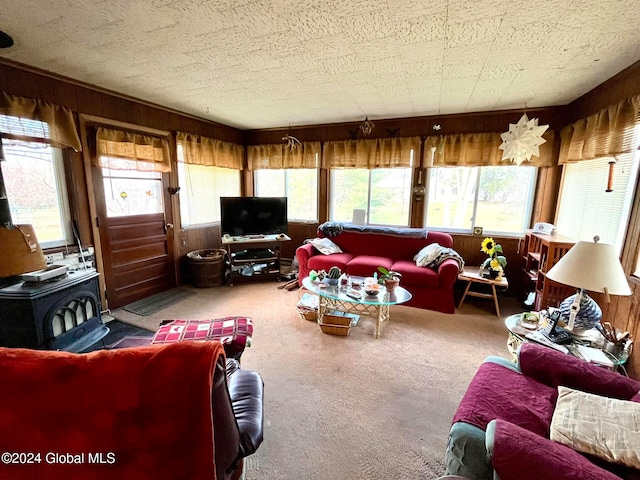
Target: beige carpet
343	408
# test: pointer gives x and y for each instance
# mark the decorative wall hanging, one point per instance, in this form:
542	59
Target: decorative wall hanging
291	142
522	140
367	126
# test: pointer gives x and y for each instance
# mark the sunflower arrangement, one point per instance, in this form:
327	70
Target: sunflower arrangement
496	262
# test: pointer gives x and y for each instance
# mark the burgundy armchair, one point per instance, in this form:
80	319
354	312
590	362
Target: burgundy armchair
502	424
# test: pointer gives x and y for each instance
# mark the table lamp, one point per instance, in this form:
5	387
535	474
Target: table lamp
588	266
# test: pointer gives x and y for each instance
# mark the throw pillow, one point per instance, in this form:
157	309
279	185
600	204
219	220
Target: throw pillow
427	255
636	398
325	246
605	427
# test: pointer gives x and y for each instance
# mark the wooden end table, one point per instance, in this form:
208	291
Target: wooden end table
472	275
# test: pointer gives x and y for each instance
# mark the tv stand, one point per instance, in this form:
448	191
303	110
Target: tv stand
253	258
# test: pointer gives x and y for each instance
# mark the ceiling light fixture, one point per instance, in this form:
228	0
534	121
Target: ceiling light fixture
5	40
522	140
367	126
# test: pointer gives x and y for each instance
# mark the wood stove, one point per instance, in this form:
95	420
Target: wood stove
59	314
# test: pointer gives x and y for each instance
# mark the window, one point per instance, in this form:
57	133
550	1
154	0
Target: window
586	209
37	191
383	193
130	189
299	185
498	199
201	189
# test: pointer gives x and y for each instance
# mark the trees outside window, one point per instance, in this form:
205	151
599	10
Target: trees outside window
383	193
37	191
299	185
498	199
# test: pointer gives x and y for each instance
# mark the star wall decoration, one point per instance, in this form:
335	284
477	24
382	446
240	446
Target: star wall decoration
522	140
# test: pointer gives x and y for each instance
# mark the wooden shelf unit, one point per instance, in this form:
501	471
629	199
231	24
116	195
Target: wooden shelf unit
264	267
540	253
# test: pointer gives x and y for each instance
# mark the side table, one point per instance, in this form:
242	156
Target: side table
472	275
517	335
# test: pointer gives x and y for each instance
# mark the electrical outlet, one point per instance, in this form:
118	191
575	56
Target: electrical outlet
184	242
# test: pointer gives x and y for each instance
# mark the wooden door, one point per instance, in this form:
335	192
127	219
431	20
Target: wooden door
136	234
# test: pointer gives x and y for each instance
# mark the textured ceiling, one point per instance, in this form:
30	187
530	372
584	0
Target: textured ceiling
263	64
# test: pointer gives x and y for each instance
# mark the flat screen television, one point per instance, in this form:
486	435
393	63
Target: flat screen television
253	215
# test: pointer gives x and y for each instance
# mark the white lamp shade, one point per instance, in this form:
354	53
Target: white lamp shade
591	266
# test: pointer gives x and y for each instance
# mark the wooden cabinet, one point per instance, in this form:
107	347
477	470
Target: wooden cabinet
541	252
254	257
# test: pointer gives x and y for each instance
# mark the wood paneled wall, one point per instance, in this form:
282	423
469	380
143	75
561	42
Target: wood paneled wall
84	99
624	312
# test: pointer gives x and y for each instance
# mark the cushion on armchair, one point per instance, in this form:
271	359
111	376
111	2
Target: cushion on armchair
518	454
608	428
499	392
555	368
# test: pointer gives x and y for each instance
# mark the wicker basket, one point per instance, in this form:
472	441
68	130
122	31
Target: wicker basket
305	312
207	267
311	316
335	325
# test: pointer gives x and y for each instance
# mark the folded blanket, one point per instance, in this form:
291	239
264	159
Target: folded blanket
333	229
446	253
130	413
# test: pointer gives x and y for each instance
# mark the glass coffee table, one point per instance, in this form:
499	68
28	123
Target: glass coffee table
376	306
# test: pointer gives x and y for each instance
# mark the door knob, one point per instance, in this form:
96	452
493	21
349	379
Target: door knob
169	225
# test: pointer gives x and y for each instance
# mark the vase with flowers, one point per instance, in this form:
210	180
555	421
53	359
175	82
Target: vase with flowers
493	267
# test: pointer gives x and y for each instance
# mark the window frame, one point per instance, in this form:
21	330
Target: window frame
370	186
626	211
528	208
286	191
183	189
62	194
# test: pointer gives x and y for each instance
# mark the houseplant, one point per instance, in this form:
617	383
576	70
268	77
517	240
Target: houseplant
495	264
333	276
389	278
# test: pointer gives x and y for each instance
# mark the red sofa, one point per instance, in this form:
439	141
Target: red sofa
366	249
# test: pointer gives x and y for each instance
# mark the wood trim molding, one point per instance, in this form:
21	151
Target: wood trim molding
106	122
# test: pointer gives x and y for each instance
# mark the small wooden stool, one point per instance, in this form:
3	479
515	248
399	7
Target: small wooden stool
472	275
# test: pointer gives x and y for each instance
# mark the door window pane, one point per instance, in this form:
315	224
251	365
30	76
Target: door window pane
132	192
37	192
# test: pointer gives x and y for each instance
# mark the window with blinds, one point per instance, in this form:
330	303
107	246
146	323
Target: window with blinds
586	209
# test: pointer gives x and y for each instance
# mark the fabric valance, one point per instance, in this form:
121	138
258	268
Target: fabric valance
278	155
152	152
478	150
54	124
612	131
372	153
198	150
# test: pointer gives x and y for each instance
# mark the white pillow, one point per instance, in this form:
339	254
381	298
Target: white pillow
605	427
325	246
428	254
